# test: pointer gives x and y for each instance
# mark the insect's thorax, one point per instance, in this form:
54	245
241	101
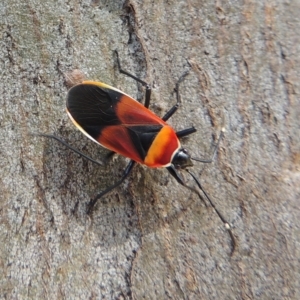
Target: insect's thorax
163	148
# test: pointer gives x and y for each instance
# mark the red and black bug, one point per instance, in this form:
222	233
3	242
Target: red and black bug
123	125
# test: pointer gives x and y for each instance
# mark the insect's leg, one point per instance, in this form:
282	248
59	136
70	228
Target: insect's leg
173	109
145	84
100	163
109	155
176	175
125	174
216	146
185	132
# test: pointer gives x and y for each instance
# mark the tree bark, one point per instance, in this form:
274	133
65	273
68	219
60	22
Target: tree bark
151	238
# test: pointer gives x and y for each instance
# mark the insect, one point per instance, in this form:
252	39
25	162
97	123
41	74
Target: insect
123	125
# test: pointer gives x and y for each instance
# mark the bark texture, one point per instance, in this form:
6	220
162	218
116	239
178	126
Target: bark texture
151	238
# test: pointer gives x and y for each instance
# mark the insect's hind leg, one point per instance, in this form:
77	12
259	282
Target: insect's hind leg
100	163
145	84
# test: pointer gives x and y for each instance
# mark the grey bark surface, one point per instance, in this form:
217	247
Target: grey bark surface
151	238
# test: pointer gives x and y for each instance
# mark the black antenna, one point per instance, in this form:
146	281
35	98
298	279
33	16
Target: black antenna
215	151
226	224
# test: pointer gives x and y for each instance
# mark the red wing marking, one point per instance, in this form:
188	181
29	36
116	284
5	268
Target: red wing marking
131	112
117	139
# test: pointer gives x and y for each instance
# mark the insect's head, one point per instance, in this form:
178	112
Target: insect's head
182	159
